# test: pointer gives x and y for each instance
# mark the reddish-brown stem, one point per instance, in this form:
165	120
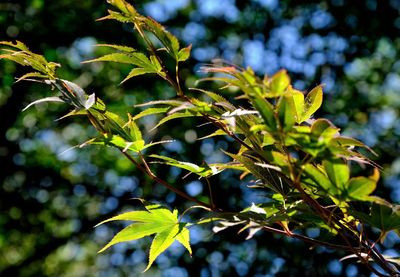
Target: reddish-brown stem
210	192
145	169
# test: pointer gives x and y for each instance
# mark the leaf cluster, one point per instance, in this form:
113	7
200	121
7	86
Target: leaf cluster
302	164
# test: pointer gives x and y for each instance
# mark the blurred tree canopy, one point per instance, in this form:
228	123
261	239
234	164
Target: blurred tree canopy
51	200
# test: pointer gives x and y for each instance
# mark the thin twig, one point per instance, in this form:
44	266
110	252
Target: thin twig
146	169
210	192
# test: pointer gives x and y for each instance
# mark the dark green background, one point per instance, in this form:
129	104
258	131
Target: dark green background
49	202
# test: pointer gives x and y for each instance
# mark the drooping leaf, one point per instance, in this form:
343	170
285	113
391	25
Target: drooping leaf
184	238
136	72
161	242
19	53
350	142
46	99
169	41
202	171
31	75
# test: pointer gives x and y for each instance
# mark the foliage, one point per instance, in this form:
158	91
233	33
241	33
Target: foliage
302	165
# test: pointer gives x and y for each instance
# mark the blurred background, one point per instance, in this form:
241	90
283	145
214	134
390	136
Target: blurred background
50	200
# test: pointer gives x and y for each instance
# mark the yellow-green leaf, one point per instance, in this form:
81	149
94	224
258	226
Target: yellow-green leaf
279	83
338	172
360	188
312	103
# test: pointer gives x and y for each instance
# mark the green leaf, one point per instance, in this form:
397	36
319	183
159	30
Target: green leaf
184	53
183	114
383	216
202	171
119	142
136	72
287	112
279	83
156	220
319	178
31	75
169	41
18	44
134	130
25	57
121	48
134	232
161	242
269	177
184	238
123	6
266	111
350	142
116	16
312	103
129	55
359	188
136	58
338	172
298	99
174	103
151	111
115	125
323	128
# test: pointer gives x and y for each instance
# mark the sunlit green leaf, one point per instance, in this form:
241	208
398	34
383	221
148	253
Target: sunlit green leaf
169	41
184	53
150	111
155	220
298	99
279	83
360	188
312	102
287	112
266	111
324	129
319	178
338	172
202	171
